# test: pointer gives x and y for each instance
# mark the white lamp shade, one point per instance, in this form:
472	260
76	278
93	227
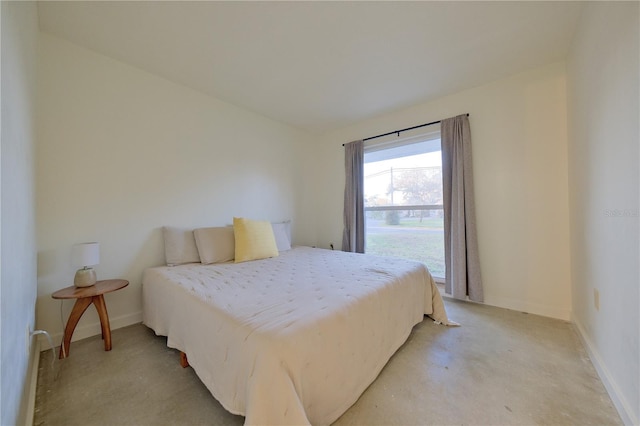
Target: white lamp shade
85	254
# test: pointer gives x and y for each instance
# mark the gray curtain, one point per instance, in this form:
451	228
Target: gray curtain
460	237
353	235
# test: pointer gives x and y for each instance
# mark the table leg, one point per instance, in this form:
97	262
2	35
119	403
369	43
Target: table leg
101	307
79	307
184	362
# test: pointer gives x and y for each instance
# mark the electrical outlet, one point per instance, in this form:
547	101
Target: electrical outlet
596	299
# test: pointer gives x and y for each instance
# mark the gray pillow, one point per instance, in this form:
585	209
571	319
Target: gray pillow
215	245
179	246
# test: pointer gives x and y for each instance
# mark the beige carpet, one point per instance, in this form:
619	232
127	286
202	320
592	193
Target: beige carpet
500	368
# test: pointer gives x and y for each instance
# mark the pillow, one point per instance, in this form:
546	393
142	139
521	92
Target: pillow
215	245
254	240
282	234
179	246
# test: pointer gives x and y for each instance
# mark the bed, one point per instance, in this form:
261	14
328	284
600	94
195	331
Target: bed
294	339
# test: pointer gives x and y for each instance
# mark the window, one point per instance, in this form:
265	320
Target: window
403	200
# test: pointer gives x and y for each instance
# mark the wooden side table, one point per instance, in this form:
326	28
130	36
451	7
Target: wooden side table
85	296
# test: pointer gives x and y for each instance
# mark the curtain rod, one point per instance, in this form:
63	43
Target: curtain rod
402	130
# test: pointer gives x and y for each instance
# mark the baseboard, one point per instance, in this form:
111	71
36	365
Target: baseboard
33	384
94	329
530	308
620	402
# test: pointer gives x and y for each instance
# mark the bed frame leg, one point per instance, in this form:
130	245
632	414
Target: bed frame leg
184	362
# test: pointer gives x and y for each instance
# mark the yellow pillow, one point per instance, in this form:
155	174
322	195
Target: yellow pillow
254	239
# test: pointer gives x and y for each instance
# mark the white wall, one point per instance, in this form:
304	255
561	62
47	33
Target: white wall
518	128
603	90
18	252
122	152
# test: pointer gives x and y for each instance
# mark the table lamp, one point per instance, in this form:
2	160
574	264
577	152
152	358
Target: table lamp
85	255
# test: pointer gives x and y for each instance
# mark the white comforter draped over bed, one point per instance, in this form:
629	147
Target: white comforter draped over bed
294	339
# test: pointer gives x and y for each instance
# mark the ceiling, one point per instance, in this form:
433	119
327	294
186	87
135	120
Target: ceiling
319	66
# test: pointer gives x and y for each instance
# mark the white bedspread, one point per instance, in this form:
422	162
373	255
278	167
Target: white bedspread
291	340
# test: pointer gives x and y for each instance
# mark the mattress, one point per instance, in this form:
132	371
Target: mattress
294	339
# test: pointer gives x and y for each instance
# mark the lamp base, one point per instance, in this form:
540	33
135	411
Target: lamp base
85	277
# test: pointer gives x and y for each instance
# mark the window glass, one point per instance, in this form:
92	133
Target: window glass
403	202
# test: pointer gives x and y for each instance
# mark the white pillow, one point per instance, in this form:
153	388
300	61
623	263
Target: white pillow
215	245
282	234
179	246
